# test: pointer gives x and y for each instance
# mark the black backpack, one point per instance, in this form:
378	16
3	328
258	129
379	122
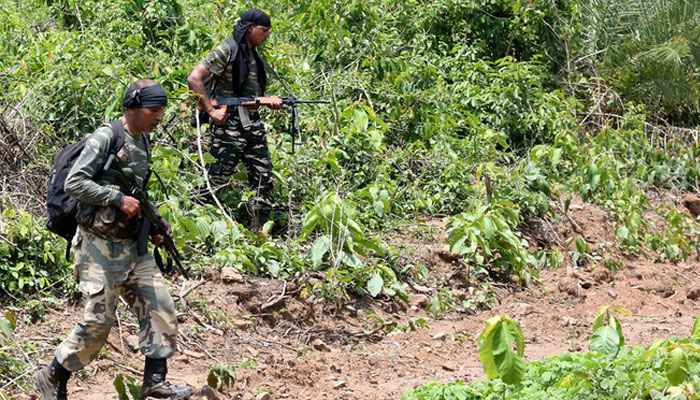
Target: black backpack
212	80
60	206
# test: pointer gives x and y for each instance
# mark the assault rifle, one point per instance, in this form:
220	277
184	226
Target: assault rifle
245	104
153	223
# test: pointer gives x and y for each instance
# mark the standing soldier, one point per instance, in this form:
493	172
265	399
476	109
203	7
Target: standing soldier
107	262
238	71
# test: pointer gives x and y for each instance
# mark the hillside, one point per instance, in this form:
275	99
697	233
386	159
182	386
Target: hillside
291	348
536	160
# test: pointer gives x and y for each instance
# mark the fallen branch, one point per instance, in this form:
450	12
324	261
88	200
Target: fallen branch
206	326
183	293
374	331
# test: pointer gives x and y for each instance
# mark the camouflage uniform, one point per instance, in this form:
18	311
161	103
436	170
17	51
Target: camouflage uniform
232	143
105	253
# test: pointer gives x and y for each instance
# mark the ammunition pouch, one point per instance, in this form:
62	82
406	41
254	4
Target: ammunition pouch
108	222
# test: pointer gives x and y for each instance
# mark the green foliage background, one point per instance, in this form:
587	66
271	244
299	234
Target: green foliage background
489	114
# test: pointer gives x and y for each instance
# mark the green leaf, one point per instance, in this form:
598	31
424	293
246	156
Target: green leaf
311	220
12	318
435	305
273	267
370	245
623	232
360	119
119	386
676	366
375	285
581	245
511	367
615	323
695	335
202	226
208	158
212	379
319	249
488	227
599	321
134	390
5	330
652	349
379	208
605	340
485	342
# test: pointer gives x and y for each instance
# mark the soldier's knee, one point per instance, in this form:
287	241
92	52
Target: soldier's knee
96	326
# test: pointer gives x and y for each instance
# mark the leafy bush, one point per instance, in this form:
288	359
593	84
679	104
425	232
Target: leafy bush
31	258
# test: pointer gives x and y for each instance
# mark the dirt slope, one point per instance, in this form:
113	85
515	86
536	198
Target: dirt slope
290	349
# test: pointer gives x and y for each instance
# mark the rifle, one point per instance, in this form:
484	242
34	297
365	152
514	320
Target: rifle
152	223
245	104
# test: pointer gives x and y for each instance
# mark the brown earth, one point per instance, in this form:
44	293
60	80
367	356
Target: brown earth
290	348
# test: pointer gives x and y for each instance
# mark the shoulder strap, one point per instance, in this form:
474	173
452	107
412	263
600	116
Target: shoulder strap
231	58
117	136
233	46
234	50
147	142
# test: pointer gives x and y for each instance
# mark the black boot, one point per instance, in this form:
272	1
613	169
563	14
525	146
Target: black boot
52	381
155	385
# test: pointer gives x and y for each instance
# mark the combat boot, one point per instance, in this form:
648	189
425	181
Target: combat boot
157	387
52	381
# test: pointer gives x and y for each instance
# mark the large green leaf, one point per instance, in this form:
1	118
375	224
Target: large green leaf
319	249
496	356
605	340
488	227
676	366
375	285
486	354
511	367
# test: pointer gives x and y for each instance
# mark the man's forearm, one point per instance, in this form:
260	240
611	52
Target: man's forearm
197	86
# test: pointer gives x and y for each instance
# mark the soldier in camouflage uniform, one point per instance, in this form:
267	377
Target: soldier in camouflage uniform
232	138
106	258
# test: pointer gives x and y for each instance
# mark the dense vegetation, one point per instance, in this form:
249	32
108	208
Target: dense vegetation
490	114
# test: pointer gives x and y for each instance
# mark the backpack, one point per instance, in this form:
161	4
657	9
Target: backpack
212	80
61	207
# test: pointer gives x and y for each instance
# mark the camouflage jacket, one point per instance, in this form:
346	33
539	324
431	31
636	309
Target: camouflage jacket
98	195
216	62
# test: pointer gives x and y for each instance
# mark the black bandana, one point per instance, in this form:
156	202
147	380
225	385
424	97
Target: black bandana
149	96
240	66
250	17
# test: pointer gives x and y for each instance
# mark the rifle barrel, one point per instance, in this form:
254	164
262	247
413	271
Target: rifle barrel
310	101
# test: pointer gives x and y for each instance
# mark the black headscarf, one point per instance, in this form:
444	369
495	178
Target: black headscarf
250	17
240	66
144	97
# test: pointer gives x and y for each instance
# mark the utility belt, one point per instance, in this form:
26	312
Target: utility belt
108	222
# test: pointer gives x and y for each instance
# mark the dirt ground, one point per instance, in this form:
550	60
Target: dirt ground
285	347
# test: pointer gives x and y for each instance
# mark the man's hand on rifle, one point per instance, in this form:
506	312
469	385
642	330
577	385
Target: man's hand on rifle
275	103
218	115
158	239
130	206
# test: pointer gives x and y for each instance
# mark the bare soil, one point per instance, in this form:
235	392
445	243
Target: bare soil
290	348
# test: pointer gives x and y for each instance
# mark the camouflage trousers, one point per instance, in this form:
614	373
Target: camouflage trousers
231	144
108	269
